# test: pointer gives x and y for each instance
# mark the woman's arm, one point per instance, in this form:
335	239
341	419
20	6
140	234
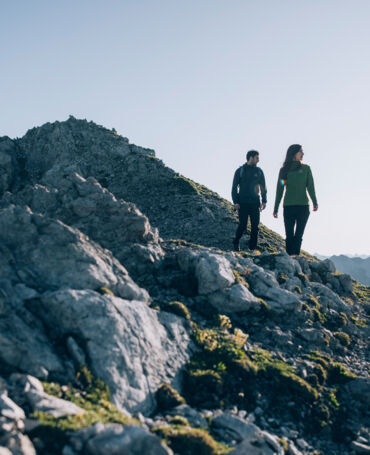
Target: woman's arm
311	188
279	193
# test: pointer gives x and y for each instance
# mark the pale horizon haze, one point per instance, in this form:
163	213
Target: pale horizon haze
201	83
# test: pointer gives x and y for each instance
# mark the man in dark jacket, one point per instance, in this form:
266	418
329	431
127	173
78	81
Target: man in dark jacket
248	185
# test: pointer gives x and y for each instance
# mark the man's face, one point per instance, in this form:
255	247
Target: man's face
255	159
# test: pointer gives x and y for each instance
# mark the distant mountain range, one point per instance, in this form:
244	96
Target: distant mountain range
357	266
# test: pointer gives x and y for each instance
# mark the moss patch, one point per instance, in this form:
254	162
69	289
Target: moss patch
167	397
344	338
185	440
178	308
90	394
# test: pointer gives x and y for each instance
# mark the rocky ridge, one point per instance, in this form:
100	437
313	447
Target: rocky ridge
125	327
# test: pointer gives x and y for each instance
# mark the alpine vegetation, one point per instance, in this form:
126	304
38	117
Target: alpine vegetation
126	327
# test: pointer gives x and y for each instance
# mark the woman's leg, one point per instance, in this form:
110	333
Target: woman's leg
289	222
302	214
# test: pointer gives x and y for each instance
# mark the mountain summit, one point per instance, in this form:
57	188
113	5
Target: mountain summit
125	327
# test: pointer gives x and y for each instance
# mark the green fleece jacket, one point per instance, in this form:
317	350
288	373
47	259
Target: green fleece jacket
297	183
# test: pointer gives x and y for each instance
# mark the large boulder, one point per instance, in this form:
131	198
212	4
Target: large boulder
235	299
264	284
84	204
213	272
48	254
131	347
114	439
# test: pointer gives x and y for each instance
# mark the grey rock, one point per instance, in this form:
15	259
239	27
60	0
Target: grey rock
27	349
360	448
53	406
7	148
323	266
33	392
346	282
213	273
52	255
67	450
18	444
359	389
130	440
292	449
328	298
76	352
9	409
236	428
85	205
235	299
262	443
286	264
194	417
131	347
264	284
319	337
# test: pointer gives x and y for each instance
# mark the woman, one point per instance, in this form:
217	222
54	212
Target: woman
297	179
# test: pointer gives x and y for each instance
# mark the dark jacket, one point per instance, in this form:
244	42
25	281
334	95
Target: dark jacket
248	183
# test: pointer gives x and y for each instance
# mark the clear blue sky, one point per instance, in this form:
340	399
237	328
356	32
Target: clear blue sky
204	81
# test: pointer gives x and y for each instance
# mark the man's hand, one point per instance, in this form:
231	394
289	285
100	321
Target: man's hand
315	208
236	206
263	206
275	214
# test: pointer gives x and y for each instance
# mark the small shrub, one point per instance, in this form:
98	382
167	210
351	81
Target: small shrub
223	321
239	279
167	397
185	440
179	420
104	290
282	278
179	309
344	338
338	374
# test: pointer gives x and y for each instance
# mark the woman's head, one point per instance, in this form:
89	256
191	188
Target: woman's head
294	153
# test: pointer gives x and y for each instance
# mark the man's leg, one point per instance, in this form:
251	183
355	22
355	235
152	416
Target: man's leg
243	221
254	213
289	222
303	213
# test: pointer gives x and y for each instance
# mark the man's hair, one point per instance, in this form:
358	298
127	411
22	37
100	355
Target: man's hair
252	154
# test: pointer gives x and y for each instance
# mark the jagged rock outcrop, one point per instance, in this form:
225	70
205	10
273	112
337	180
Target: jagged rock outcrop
100	244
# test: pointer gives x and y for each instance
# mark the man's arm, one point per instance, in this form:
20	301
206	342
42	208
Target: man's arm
263	189
234	190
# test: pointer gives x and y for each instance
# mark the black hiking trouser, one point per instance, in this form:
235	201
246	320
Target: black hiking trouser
295	220
246	211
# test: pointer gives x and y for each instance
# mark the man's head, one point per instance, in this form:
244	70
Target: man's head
252	157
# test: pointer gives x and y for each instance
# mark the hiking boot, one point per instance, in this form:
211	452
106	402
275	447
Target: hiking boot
236	245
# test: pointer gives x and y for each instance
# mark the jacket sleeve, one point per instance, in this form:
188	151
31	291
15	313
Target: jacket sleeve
234	191
279	192
311	187
263	188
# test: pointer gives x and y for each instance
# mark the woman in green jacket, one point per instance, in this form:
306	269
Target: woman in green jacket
296	178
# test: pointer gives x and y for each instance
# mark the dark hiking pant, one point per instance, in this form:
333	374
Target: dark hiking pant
295	220
246	211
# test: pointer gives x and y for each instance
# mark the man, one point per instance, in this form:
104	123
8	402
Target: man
248	185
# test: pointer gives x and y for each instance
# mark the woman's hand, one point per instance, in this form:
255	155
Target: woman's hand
275	214
315	208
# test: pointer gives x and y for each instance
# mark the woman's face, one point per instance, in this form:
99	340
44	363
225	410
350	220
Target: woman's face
299	155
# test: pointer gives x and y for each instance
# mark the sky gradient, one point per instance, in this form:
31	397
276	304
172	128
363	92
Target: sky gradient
202	82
